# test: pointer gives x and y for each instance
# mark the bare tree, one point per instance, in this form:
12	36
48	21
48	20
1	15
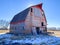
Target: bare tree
4	24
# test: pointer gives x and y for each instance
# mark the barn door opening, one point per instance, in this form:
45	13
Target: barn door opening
42	23
37	30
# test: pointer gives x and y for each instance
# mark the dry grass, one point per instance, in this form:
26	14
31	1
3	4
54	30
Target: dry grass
4	31
56	33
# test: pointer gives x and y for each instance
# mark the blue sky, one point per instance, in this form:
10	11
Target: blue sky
8	8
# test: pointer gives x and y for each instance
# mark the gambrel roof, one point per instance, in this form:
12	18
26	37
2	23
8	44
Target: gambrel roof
20	16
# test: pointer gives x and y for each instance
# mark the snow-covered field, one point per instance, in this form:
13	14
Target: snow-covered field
9	39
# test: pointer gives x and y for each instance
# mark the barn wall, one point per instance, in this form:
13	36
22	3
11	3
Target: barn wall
17	28
36	18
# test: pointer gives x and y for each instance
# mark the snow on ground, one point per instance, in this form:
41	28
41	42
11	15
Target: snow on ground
37	40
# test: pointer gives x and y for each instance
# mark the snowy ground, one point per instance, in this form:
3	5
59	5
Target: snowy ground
9	39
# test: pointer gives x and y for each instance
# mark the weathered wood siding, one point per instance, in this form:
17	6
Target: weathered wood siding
36	17
17	28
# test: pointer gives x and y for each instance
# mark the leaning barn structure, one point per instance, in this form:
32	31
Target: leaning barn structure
30	21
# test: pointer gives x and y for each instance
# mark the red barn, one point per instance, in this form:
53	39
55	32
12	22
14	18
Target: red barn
30	21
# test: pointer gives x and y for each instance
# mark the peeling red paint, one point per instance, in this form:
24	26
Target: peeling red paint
17	22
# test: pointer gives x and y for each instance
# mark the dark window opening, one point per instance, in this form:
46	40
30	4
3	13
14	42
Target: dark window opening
42	24
31	10
37	30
